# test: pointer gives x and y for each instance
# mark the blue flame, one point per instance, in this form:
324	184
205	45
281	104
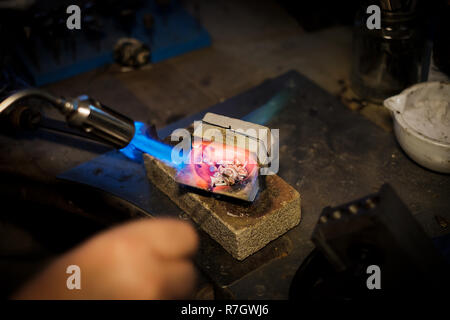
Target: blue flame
141	142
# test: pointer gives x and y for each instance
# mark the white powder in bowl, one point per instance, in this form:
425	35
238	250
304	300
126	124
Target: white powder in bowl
430	118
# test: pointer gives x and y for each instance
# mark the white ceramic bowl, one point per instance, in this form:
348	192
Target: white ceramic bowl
422	146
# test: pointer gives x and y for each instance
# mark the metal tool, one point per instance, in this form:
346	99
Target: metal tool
85	114
377	230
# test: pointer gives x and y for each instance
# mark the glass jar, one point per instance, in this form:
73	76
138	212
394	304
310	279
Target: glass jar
386	60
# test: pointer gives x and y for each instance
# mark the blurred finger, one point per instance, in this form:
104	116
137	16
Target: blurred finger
180	280
168	238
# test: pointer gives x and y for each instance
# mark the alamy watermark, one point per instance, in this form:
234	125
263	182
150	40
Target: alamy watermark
243	145
374	20
74	280
374	280
74	20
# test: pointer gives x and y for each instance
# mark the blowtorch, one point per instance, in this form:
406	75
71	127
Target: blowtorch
85	114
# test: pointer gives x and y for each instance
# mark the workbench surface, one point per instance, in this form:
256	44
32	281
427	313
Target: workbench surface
331	153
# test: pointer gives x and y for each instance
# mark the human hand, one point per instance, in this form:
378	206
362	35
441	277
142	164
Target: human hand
145	259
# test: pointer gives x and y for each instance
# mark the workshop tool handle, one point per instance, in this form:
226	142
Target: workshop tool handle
85	114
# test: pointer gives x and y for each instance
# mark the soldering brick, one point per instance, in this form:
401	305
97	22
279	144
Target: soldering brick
241	228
